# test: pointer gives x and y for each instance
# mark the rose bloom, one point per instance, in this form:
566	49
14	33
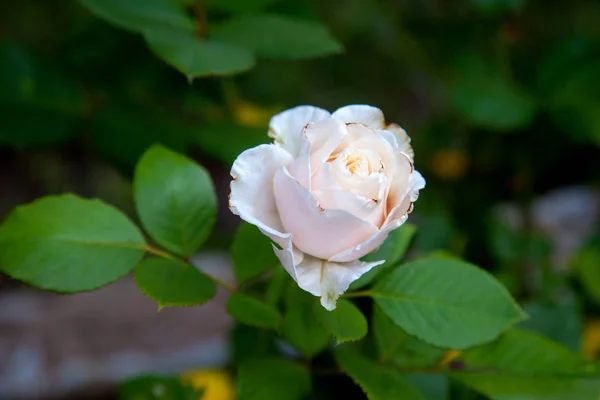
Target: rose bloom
327	192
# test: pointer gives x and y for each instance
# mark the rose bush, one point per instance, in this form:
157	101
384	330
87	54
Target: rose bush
327	192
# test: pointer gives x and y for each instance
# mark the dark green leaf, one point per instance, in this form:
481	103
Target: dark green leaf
157	388
488	99
248	342
251	253
300	327
239	6
447	303
432	386
525	366
210	139
377	381
251	311
397	347
138	15
345	323
69	244
392	251
173	283
272	379
277	36
586	265
175	199
557	320
277	285
198	58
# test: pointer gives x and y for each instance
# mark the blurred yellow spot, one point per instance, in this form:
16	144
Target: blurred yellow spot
247	114
448	357
217	384
449	164
590	346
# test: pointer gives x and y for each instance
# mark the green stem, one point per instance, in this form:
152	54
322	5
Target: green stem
169	256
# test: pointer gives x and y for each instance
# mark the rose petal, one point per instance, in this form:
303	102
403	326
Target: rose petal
253	173
286	127
322	278
324	137
367	209
397	216
374	118
315	231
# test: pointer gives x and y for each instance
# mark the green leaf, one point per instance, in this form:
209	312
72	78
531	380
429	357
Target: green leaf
345	323
210	139
277	36
392	251
138	15
300	328
277	285
432	386
447	303
251	253
272	379
586	265
560	321
198	58
486	98
69	244
175	199
524	365
157	388
377	381
397	347
173	283
238	6
251	311
248	342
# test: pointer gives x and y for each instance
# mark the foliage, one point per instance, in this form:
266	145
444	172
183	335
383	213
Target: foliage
499	97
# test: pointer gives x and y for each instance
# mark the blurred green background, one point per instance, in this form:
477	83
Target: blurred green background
500	97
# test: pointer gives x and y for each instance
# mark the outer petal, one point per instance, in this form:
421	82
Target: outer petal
323	278
394	220
252	196
315	231
374	118
286	127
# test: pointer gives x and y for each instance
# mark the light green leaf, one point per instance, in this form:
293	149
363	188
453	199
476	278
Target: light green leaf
272	379
277	36
377	381
251	311
523	365
447	303
346	322
397	347
173	283
69	244
392	251
140	15
175	199
300	328
198	58
252	253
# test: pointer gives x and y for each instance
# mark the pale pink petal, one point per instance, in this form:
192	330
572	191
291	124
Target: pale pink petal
286	127
400	177
374	118
368	209
322	278
365	114
397	216
300	168
324	137
252	196
316	231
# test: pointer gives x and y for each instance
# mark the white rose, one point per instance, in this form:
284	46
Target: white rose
327	191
